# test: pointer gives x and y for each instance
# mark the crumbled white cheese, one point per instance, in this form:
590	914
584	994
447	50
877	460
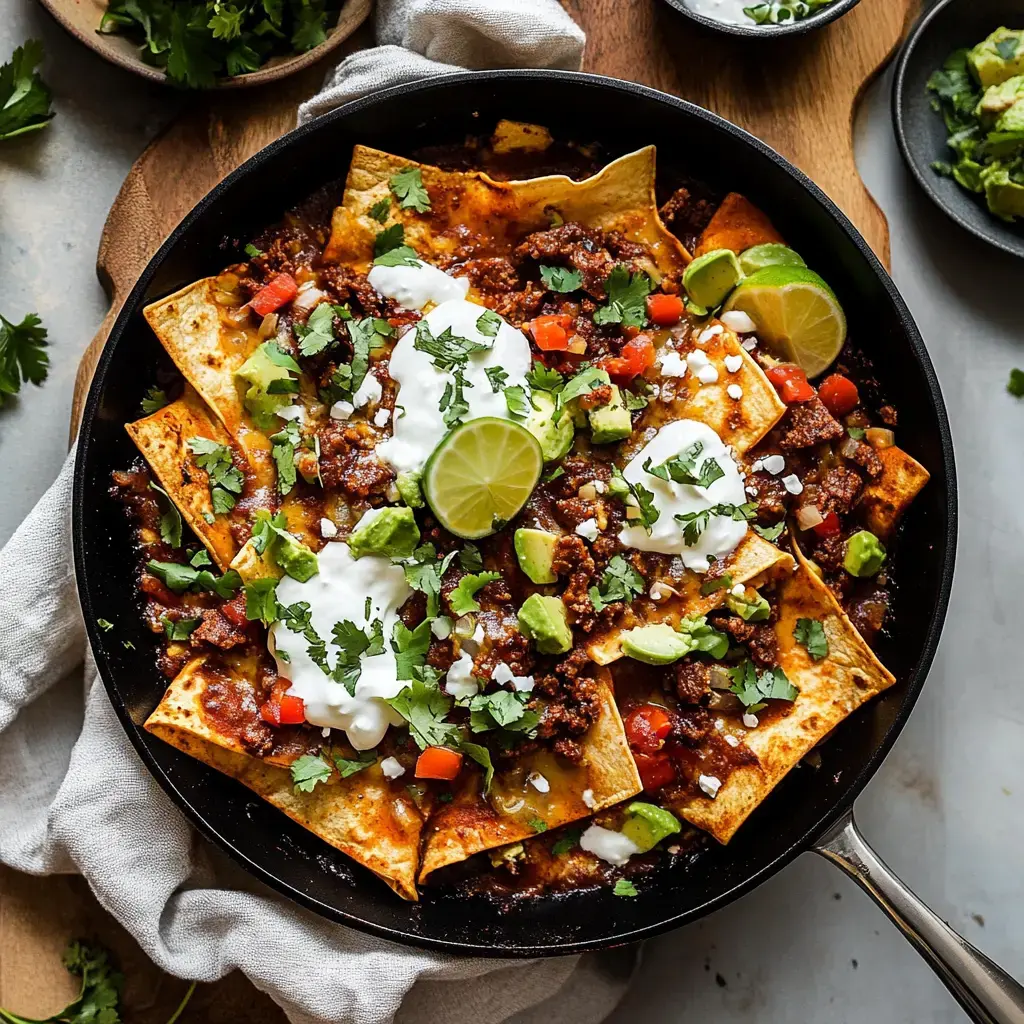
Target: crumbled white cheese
588	529
293	412
657	593
588	798
325	731
751	490
757	466
613	847
706	335
369	392
739	590
707	375
774	464
600	486
734	391
538	782
502	674
381	417
733	363
738	321
342	410
460	681
441	627
710	785
749	344
328	529
732	741
392	767
792	483
719	724
749	720
672	364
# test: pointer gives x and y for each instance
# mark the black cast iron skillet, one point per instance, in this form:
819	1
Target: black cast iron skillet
811	808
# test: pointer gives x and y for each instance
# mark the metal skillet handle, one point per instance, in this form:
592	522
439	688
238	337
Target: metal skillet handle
981	987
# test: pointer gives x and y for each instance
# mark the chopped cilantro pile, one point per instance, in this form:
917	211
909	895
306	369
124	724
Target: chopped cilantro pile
778	12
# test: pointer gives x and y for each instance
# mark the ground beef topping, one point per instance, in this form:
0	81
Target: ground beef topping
809	423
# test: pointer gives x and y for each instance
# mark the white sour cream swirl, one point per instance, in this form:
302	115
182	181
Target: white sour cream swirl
414	287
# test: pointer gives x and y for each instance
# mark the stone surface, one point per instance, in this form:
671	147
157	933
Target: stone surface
947	808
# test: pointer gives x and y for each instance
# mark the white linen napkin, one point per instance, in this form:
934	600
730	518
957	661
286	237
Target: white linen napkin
74	795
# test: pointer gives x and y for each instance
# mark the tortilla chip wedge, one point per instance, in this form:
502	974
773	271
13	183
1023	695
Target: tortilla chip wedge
888	496
471	823
737	224
620	197
371	819
830	690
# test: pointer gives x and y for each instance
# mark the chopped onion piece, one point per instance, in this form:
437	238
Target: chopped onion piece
880	437
577	346
268	328
720	678
849	447
587	492
808	517
465	627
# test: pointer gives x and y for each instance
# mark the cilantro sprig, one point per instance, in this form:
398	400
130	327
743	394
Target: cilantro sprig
23	355
754	688
640	498
407	187
24	96
627	298
810	634
695	523
561	279
463	598
619	582
225	479
682	468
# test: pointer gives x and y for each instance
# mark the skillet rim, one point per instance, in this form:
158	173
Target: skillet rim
803	842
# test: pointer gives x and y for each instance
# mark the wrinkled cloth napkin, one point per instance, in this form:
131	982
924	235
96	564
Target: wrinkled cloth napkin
74	795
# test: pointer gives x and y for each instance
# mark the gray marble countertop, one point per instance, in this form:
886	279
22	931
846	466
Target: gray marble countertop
946	809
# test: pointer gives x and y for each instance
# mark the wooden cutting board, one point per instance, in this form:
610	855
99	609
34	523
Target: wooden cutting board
798	95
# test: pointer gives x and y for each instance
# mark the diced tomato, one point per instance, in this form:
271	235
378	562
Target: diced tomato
274	294
234	611
664	310
656	770
438	763
636	356
791	383
646	728
828	527
839	394
551	332
283	709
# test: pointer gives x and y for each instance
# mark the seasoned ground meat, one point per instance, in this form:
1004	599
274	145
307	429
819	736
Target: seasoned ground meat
770	494
692	680
809	423
348	287
347	461
572	560
828	553
685	215
131	488
491	275
887	414
691	725
578	471
758	637
570	512
867	610
865	456
838	491
218	631
572	706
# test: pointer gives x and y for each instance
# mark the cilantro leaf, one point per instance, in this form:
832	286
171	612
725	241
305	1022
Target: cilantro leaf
497	377
391	238
424	573
754	689
488	323
98	1000
170	519
620	582
453	400
261	600
695	523
180	630
252	252
463	598
353	643
640	498
537	824
810	633
517	401
317	333
448	350
561	279
501	709
225	479
627	298
105	624
407	185
424	707
771	533
348	766
24	96
308	771
154	400
178	577
541	378
380	210
682	468
588	379
410	647
282	450
567	841
470	558
482	756
22	355
1015	385
399	256
624	887
723	582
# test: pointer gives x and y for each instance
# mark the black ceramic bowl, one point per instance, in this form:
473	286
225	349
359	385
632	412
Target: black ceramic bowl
752	31
920	132
690	140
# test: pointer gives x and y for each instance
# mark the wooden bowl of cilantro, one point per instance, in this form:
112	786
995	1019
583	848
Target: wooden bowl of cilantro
206	44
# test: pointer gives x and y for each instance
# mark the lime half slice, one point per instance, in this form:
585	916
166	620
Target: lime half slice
769	254
797	315
481	475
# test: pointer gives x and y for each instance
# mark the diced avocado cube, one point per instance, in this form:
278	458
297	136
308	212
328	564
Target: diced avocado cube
648	824
656	644
617	487
535	550
610	422
709	278
260	370
1012	119
750	607
409	490
864	554
392	532
1000	98
293	557
1004	196
555	439
997	58
543	620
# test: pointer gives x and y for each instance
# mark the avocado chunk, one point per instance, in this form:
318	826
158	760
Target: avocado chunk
648	824
555	438
999	57
1004	196
409	490
657	644
769	254
749	608
293	557
709	278
610	422
864	554
1000	98
542	620
266	365
535	550
391	532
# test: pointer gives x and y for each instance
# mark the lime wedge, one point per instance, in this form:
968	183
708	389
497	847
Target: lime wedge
481	475
797	315
769	254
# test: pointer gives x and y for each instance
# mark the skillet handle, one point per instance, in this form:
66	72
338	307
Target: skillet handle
981	987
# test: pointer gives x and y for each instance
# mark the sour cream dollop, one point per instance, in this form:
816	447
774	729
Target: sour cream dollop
722	534
414	287
613	847
418	421
339	591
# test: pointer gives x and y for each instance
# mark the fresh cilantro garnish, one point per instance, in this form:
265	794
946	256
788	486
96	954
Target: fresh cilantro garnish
463	598
1015	385
349	766
588	379
105	624
299	619
226	479
488	323
753	689
518	401
497	377
620	582
542	378
771	533
482	756
252	252
567	841
24	96
389	240
810	633
537	824
624	887
639	497
553	474
1007	47
407	185
627	298
317	333
367	334
178	578
857	433
154	400
282	450
501	709
353	643
424	706
453	399
410	647
309	770
633	401
380	210
261	600
470	558
448	350
561	279
695	523
180	630
170	518
682	469
712	586
424	573
400	256
200	558
22	355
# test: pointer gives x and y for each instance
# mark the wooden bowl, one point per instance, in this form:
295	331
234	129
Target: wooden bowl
790	28
82	17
